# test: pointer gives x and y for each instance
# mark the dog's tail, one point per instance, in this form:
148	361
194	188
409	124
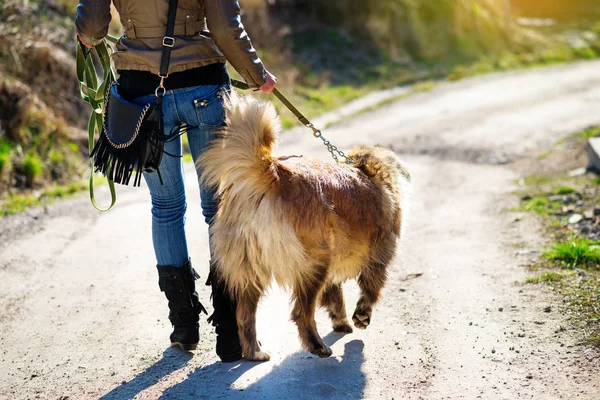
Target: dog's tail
242	149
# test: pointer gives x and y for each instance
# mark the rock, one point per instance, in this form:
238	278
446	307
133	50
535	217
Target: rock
529	376
577	172
596	210
575	218
569	199
568	209
593	151
557	197
547	309
588	214
580	203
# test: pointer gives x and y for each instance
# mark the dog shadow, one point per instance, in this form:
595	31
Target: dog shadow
172	360
301	375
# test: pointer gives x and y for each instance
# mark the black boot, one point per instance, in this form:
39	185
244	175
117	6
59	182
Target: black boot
184	304
223	318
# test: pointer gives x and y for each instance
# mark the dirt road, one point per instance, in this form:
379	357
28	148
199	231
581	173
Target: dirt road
82	317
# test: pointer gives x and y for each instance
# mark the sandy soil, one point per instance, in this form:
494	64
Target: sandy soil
82	317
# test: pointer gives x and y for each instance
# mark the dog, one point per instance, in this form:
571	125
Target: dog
307	224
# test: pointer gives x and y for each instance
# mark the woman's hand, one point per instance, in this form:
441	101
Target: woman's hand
84	43
269	85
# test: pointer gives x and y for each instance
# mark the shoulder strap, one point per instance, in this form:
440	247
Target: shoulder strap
168	41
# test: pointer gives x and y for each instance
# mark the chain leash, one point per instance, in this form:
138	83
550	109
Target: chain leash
333	150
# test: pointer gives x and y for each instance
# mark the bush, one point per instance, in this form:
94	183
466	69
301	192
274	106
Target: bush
433	30
32	168
5	152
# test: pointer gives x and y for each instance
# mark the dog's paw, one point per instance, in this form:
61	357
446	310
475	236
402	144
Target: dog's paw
322	352
258	356
361	321
343	328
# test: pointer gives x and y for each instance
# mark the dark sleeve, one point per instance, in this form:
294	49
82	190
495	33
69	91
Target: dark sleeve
93	17
226	28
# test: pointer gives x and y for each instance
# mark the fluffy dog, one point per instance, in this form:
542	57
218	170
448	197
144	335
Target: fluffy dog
308	224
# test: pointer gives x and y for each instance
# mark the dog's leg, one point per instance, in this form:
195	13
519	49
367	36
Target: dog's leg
246	319
332	298
303	314
370	281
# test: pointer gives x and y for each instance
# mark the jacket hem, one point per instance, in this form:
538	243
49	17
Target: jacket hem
126	65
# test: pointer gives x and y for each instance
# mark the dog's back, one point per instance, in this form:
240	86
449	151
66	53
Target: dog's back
280	215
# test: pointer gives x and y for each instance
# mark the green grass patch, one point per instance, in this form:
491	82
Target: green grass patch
565	190
17	202
5	154
33	167
574	253
541	205
546	277
590	132
550	54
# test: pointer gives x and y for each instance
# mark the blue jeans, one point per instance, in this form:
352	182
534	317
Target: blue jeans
202	108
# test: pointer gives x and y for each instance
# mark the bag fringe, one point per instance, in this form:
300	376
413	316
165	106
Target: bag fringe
119	164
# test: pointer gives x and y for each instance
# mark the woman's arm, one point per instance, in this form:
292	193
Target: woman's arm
226	28
93	17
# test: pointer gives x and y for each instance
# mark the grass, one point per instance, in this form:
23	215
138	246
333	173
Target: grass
5	155
570	265
540	205
554	53
33	167
565	190
15	203
591	131
574	253
546	277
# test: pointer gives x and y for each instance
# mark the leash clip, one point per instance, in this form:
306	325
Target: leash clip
161	86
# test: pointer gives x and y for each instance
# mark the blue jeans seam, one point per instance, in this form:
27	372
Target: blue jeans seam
174	107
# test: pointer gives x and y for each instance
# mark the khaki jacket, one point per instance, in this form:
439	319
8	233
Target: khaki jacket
206	32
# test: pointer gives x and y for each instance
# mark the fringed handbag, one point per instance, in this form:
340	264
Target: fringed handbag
132	138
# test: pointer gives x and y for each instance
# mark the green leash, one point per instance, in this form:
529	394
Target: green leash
92	93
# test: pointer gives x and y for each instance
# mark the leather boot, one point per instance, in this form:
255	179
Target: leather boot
184	304
224	320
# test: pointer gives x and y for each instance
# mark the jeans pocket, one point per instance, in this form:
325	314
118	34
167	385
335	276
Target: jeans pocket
209	108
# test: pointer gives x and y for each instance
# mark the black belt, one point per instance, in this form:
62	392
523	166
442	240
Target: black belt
134	84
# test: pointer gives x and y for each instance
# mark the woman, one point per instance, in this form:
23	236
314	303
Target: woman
207	33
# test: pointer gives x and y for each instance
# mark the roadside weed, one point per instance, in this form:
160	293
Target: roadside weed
574	253
565	190
546	277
